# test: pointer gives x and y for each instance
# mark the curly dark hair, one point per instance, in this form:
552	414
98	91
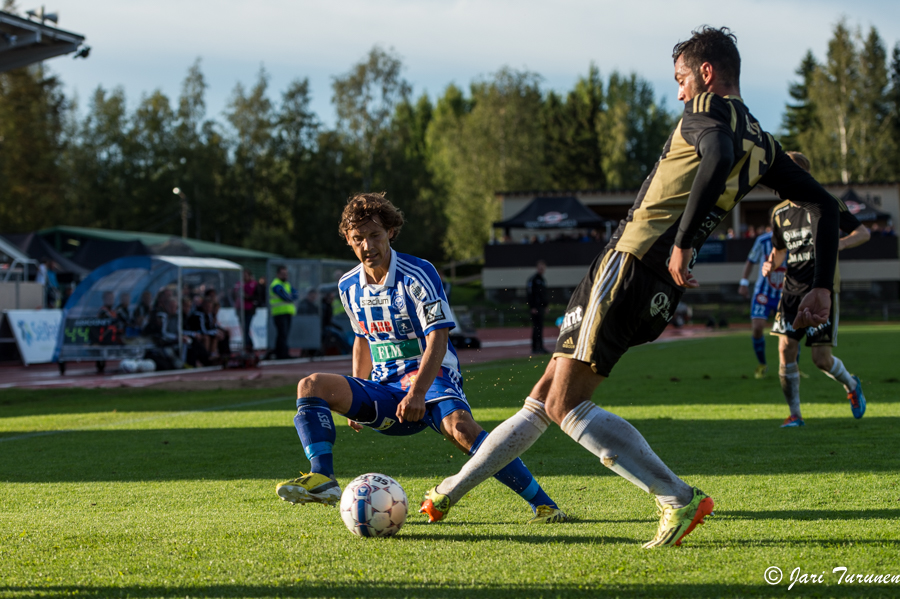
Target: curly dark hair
718	47
363	207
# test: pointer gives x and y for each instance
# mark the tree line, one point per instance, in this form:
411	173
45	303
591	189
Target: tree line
267	174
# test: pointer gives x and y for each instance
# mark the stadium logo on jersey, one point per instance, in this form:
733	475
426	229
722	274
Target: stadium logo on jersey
404	326
434	312
380	326
385	424
571	320
398	301
417	291
374	301
660	304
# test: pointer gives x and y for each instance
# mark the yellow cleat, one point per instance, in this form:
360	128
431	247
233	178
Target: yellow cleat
310	488
435	505
761	371
544	514
675	524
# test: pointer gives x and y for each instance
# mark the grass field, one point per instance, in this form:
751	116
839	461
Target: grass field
143	493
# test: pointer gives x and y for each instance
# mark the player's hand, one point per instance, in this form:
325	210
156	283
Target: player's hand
412	408
814	309
679	262
354	425
744	290
767	267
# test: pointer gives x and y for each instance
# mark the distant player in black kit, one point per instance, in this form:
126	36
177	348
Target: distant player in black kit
537	302
717	153
793	234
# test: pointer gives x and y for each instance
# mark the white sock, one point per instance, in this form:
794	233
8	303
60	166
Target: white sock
508	441
789	375
839	373
624	450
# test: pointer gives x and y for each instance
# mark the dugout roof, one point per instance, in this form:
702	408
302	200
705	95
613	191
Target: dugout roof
24	42
553	213
61	238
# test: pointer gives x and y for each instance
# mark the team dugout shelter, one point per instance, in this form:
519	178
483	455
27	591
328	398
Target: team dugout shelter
87	334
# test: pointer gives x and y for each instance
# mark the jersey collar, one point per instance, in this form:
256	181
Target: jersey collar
388	281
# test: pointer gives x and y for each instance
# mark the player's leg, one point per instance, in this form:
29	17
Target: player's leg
757	325
460	428
317	396
823	340
758	315
789	377
505	443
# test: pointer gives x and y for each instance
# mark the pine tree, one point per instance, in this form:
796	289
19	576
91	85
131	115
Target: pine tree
800	115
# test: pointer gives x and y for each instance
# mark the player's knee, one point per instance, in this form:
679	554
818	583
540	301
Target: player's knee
310	386
556	409
822	362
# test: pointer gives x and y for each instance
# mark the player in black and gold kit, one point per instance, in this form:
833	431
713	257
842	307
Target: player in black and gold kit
794	232
716	154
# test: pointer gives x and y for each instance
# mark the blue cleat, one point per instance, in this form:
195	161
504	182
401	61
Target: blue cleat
793	422
857	399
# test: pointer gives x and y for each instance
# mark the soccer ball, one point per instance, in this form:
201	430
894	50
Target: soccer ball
374	505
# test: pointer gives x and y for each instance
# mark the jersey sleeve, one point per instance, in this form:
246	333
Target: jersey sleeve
756	252
849	223
704	114
427	294
354	324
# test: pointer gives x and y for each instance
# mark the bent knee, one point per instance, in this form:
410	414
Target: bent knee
310	386
823	363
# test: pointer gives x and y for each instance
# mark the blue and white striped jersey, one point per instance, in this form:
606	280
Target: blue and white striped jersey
395	317
769	286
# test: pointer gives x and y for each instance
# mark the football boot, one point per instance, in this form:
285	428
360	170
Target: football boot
310	488
857	399
677	523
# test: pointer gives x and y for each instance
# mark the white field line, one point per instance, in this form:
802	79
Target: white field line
144	419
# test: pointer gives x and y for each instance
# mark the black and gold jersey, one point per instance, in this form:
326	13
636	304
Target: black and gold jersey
649	230
794	229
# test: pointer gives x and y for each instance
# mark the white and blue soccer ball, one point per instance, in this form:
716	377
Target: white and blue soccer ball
374	505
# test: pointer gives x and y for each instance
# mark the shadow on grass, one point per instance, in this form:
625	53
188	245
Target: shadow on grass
693	447
434	591
813	515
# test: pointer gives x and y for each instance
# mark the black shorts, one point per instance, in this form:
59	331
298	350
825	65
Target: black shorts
620	303
824	334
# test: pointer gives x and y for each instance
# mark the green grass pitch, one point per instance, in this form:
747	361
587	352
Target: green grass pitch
143	493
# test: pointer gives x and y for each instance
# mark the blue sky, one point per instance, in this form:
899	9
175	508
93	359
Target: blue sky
143	45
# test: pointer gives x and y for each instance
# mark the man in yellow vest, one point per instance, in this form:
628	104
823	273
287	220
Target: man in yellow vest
281	306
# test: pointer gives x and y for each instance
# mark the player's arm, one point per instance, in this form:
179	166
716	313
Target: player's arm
362	358
776	257
361	369
859	236
412	407
744	287
793	183
716	159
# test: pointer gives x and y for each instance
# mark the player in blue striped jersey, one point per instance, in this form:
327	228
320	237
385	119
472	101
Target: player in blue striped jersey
766	293
406	374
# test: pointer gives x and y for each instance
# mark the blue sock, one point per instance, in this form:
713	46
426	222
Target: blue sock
759	346
516	476
316	429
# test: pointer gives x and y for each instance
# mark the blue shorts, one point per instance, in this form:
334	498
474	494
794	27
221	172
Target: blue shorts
381	401
763	306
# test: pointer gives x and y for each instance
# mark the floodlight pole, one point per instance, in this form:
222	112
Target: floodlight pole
184	211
